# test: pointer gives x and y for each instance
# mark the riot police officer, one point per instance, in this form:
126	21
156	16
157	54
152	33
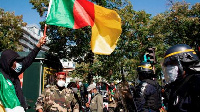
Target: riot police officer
148	92
181	70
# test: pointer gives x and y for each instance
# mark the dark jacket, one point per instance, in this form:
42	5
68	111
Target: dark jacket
7	58
148	96
183	95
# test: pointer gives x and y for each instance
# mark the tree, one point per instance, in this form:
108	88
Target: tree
10	30
179	25
130	47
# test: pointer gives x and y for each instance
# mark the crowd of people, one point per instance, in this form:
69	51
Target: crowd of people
180	93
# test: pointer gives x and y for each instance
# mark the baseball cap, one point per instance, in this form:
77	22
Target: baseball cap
91	86
60	73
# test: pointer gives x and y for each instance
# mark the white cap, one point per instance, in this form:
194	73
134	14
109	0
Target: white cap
91	86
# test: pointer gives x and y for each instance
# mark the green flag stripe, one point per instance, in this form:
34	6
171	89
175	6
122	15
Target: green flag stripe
61	13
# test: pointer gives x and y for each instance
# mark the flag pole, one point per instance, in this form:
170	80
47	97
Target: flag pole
45	29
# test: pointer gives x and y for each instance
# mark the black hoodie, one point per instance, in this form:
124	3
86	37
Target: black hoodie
6	61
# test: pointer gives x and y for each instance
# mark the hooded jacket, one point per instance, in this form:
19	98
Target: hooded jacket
6	61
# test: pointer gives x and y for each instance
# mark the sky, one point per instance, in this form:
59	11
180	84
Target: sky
30	16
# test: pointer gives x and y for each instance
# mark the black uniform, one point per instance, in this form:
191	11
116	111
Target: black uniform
148	92
181	69
148	96
183	95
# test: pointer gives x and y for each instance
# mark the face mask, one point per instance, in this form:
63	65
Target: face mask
18	67
171	73
61	83
92	94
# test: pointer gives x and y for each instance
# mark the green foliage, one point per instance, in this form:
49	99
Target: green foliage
10	30
40	6
139	31
180	25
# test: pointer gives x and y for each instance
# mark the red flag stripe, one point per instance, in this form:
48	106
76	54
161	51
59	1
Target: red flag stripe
83	13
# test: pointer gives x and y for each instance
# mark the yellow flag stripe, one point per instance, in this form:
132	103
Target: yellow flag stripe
105	31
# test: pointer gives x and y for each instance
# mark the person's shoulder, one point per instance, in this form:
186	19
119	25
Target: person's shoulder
69	94
194	78
68	90
190	78
144	84
152	82
148	88
50	88
98	95
197	75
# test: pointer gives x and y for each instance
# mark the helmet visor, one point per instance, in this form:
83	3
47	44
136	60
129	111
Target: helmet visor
170	73
170	70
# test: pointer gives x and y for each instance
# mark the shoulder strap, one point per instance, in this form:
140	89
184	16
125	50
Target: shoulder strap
95	95
183	88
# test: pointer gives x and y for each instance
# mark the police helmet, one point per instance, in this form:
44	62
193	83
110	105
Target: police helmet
145	70
177	59
182	51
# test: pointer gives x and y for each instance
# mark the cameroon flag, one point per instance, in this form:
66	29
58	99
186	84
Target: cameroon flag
105	23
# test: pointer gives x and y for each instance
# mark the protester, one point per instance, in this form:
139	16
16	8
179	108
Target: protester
96	103
57	98
181	69
148	92
124	98
112	88
110	96
73	87
111	101
11	66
